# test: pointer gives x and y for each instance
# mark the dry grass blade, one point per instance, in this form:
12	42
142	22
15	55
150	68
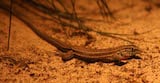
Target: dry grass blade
104	9
61	15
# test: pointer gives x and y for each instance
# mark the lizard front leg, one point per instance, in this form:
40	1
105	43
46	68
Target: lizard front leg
67	56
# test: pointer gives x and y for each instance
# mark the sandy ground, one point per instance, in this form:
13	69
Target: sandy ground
32	60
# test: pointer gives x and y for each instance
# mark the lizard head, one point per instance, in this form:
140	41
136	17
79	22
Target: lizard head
130	52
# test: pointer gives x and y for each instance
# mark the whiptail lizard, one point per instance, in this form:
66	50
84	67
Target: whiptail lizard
89	55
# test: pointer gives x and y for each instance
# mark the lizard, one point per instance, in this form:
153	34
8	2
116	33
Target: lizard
89	55
68	51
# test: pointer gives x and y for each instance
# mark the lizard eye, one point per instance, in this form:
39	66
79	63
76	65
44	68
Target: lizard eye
132	49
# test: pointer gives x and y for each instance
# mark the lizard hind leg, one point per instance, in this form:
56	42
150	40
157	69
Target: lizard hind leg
67	56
